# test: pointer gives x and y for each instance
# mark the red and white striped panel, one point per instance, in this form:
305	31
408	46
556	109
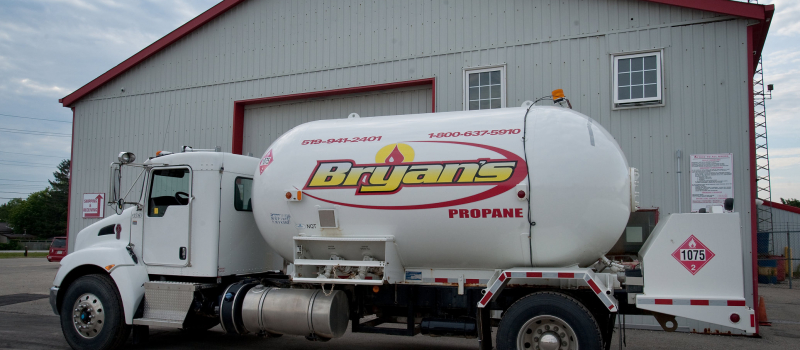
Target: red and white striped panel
690	302
705	307
587	277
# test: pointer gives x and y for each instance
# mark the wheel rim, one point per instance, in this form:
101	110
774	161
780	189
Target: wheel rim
88	315
546	332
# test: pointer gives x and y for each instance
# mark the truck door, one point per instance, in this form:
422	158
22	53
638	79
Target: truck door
168	217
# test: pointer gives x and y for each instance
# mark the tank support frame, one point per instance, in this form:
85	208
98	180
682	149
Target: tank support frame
602	284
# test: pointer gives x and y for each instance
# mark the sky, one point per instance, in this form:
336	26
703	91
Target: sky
49	48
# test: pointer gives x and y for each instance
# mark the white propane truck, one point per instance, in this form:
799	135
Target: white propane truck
447	224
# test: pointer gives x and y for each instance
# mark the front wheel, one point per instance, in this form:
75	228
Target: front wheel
548	321
92	316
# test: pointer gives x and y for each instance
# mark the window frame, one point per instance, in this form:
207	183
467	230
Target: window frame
151	182
657	101
234	193
480	69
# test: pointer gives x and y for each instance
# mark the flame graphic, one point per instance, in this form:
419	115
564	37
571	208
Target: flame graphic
395	153
395	157
692	244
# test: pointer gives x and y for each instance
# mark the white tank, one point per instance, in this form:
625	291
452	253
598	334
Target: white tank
447	187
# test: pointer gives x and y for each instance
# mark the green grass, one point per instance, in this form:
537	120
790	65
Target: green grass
22	255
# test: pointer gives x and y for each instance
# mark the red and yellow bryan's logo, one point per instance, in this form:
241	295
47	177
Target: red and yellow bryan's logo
394	168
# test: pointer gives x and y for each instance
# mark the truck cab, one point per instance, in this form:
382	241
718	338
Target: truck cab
195	217
192	221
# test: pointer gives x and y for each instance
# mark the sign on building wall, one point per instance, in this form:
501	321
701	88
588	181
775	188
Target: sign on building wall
93	205
712	179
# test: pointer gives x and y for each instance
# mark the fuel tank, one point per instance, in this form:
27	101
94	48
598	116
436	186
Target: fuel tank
486	189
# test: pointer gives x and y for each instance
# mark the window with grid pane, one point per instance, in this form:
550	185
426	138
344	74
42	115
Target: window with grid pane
484	88
637	78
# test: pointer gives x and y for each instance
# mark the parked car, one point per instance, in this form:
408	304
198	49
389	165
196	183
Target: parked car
58	249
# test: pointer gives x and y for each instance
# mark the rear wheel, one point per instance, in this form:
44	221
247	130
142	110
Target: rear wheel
548	321
92	316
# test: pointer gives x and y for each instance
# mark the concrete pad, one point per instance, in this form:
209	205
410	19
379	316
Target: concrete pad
27	275
37	307
31	325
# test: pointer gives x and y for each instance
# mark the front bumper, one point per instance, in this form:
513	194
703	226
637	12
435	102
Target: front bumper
54	299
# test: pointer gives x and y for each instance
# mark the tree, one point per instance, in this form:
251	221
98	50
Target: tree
59	198
6	209
791	201
43	213
32	216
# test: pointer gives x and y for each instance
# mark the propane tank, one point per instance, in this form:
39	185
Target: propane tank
489	189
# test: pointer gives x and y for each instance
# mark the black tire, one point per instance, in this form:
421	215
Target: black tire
111	332
553	306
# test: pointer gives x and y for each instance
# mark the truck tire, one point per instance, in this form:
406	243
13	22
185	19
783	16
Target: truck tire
548	320
92	316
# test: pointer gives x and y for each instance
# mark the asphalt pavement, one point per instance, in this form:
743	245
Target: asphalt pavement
32	325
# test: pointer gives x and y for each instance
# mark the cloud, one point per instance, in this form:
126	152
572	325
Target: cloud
784	22
784	157
31	87
48	48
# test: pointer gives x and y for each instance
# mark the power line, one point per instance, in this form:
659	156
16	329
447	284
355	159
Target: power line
35	166
16	192
31	154
31	132
18	162
24	180
48	120
11	198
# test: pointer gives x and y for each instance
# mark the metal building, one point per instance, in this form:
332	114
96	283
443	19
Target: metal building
661	75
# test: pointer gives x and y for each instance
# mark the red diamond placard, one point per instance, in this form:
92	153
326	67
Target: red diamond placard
265	162
693	254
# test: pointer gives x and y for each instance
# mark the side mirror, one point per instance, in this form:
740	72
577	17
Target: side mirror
115	184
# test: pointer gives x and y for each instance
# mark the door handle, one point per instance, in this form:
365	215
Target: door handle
182	253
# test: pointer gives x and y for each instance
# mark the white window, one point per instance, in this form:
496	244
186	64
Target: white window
637	78
484	88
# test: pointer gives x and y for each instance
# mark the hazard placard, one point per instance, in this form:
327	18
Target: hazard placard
265	162
93	204
693	254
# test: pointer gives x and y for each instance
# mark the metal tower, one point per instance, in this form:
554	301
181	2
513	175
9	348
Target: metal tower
764	190
763	184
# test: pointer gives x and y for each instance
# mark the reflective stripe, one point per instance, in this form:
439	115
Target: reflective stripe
690	302
486	298
594	287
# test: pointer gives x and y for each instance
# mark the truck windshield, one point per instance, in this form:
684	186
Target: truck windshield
242	190
169	187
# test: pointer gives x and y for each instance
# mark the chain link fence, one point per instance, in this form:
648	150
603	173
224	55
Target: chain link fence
779	254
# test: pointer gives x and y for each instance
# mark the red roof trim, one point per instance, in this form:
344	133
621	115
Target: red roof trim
762	13
783	207
151	50
727	7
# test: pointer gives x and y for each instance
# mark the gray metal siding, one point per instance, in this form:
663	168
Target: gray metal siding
272	48
264	123
783	221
